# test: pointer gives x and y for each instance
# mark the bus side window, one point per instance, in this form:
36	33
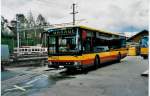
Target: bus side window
87	45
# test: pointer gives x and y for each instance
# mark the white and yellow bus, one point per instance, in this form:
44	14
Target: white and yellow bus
80	47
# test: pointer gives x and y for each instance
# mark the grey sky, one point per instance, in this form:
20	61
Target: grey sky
111	15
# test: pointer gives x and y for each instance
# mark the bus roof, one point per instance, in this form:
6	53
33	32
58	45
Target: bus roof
99	30
90	28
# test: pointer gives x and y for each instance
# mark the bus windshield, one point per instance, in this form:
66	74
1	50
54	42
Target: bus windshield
64	43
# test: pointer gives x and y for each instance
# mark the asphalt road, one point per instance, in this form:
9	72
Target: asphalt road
118	79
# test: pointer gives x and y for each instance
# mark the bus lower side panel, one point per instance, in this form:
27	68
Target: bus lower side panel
87	62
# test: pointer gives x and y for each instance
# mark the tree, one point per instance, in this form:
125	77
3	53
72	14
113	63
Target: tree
31	21
41	21
22	21
2	23
5	29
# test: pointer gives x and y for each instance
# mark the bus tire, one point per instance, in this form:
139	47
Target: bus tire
96	62
145	57
119	57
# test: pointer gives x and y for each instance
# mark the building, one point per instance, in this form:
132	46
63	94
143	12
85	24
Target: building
133	43
137	37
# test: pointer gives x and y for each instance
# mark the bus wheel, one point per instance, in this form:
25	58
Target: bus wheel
96	62
119	57
145	57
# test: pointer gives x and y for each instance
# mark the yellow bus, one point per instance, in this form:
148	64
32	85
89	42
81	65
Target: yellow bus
144	47
133	49
79	47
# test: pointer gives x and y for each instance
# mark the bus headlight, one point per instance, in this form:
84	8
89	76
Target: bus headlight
49	64
77	63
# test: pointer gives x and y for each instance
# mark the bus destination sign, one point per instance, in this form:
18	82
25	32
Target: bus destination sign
61	32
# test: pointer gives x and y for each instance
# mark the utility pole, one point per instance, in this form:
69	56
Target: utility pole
17	29
73	13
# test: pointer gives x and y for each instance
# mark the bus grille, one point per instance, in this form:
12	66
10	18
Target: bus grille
63	63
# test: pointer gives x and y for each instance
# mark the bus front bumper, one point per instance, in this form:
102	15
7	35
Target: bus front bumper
64	65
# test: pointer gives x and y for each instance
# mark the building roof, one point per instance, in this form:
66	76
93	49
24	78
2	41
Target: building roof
139	33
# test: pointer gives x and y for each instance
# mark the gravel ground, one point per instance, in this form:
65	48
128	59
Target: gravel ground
118	79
